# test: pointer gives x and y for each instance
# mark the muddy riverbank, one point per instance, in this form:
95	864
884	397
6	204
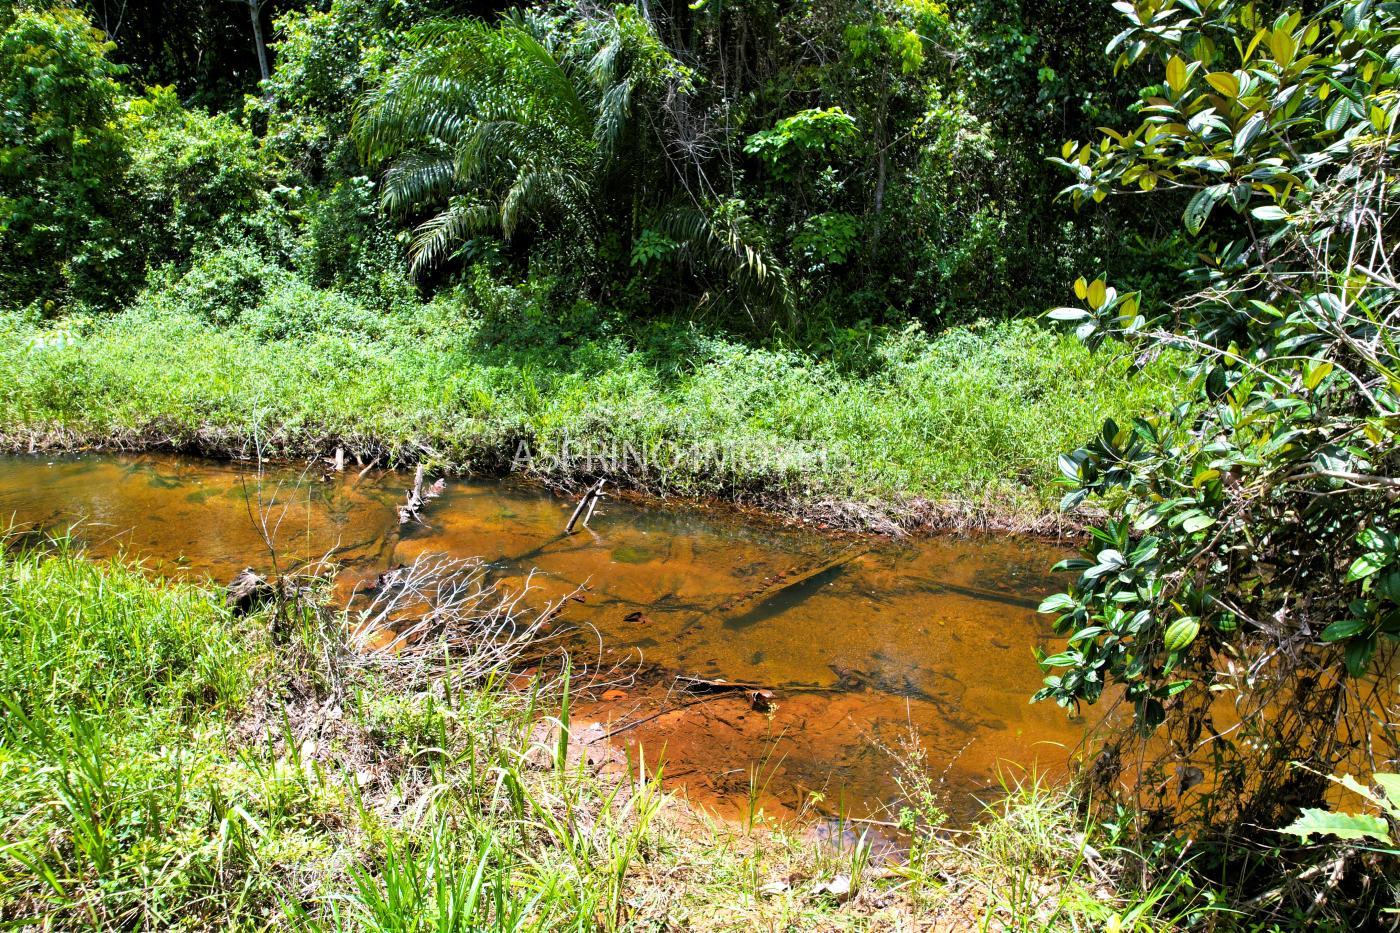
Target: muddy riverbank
890	516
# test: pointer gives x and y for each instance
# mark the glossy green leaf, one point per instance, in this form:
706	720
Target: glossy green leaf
1201	204
1367	564
1181	633
1347	628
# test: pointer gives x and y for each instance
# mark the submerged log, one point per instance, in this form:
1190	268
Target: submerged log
759	696
714	685
977	592
785	591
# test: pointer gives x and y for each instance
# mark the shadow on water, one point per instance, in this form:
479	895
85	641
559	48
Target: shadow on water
786	599
863	642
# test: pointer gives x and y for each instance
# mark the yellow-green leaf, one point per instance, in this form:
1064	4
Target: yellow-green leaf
1098	293
1224	82
1203	477
1176	73
1283	46
1315	374
1315	822
1181	633
1254	44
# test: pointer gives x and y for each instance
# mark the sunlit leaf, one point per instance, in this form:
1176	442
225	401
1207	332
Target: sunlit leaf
1201	204
1352	826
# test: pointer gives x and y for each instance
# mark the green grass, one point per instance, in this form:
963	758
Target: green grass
973	416
164	765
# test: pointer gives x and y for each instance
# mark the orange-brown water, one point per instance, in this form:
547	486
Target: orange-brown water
933	636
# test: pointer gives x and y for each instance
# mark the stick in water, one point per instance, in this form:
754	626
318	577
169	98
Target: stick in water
589	498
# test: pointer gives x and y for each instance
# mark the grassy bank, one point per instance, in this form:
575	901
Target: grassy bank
971	419
167	765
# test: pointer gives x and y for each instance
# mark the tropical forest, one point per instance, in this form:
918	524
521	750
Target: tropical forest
654	465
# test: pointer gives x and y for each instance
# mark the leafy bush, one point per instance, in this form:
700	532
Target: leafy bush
326	59
195	177
345	244
218	287
65	231
95	185
1250	548
798	140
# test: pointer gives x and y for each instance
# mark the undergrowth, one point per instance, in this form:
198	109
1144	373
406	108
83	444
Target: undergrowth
972	417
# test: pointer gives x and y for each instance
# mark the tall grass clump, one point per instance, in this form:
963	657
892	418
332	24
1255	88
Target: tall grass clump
110	684
1038	861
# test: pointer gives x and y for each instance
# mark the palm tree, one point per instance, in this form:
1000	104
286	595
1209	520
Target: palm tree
503	127
521	124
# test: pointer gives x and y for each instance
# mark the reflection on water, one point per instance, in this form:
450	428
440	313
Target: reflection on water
862	641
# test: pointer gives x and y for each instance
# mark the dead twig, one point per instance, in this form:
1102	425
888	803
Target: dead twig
589	502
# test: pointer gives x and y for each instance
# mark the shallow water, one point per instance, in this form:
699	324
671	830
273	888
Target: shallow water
874	641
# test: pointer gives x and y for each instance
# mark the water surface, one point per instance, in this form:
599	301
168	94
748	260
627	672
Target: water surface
865	642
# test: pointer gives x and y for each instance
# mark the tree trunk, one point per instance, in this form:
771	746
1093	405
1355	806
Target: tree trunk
881	170
255	10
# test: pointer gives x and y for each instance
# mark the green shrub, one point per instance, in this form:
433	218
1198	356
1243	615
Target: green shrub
66	231
345	245
194	177
218	287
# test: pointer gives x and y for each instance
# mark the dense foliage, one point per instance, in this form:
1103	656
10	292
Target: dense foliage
798	168
1250	560
96	182
62	157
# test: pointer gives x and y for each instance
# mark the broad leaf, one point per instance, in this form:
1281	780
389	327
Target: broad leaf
1200	206
1315	822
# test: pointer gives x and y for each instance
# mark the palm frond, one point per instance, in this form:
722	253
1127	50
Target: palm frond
511	118
435	239
417	178
534	190
554	82
722	244
613	112
602	67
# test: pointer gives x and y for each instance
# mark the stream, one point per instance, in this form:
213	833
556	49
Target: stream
930	637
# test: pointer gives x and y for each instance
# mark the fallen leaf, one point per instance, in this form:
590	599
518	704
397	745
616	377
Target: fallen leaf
612	695
838	888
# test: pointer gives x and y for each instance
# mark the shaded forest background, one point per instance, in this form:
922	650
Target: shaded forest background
768	168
